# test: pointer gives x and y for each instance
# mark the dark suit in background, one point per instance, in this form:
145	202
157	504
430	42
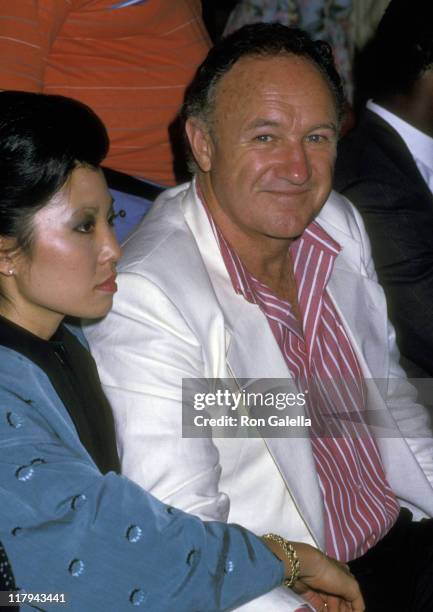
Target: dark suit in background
376	171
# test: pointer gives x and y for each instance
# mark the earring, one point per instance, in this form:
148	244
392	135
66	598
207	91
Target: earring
11	271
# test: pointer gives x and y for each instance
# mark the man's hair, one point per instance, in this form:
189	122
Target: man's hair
257	40
42	139
400	51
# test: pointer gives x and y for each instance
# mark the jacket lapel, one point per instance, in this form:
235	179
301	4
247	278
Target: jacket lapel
253	353
397	153
359	302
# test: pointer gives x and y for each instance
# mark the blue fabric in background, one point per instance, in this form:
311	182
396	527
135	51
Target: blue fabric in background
128	3
129	210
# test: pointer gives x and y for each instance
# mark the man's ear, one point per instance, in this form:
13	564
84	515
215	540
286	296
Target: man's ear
8	253
200	142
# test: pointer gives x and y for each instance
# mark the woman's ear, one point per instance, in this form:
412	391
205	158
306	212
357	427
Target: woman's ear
8	252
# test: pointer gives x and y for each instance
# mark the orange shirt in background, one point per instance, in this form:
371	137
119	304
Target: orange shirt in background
129	61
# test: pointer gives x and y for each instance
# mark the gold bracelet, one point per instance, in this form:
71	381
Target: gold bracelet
290	552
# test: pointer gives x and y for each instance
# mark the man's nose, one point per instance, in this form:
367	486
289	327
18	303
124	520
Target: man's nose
296	164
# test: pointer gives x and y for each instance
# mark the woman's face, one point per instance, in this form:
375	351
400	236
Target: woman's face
70	269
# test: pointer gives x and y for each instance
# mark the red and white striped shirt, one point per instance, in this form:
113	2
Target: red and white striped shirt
360	506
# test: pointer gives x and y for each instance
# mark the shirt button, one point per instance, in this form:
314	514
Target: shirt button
134	533
192	557
137	597
78	501
14	420
24	473
76	567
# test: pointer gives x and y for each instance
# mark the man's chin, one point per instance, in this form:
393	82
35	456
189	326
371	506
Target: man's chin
290	228
289	234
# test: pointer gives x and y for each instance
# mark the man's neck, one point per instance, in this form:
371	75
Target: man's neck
415	107
265	257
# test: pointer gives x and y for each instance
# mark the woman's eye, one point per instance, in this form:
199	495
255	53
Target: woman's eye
86	227
111	218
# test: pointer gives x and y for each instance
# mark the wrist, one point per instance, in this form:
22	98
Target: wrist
287	553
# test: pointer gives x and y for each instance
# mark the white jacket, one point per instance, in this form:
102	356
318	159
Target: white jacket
177	316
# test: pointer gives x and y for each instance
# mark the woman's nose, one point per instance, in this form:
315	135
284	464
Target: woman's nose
110	248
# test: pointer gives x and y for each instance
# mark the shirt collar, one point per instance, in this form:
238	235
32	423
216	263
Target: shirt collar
241	279
419	144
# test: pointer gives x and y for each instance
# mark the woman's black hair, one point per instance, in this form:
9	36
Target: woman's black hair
42	139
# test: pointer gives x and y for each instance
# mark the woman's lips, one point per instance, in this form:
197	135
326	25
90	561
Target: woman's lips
109	285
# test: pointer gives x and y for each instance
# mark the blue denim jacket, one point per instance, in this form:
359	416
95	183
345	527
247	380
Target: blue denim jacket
102	540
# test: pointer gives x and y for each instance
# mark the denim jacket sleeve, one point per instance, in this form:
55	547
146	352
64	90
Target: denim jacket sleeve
103	540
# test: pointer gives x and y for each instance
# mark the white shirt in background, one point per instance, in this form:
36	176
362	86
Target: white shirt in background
419	144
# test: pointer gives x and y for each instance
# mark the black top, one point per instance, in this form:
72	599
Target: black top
73	374
7	580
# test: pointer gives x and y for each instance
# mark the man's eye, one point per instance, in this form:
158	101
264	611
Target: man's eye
111	218
317	138
264	138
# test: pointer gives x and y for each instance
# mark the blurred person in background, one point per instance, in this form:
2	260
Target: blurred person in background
130	61
385	167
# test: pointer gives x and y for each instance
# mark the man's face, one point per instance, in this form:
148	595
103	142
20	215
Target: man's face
267	160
